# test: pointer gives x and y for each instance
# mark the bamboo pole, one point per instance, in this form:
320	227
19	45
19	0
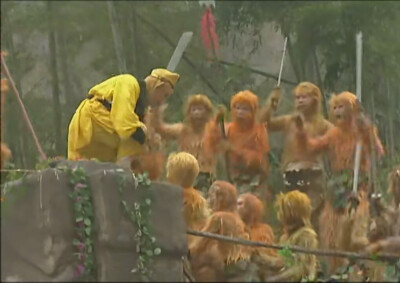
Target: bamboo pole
24	113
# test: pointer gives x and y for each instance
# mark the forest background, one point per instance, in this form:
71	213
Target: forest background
57	50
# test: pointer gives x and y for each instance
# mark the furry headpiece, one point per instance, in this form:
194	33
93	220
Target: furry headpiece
182	169
226	195
254	205
293	207
199	99
247	97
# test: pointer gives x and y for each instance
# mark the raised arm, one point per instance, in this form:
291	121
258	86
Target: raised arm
213	137
268	110
167	131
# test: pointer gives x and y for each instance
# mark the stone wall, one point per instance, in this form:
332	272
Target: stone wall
38	227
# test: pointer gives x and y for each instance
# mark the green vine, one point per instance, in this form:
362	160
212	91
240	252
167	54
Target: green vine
83	215
287	255
139	215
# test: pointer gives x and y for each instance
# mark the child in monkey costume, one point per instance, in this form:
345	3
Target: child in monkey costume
198	110
251	210
219	261
182	170
245	145
294	212
301	170
339	229
222	197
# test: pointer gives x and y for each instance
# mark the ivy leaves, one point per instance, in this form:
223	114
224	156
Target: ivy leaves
84	218
139	215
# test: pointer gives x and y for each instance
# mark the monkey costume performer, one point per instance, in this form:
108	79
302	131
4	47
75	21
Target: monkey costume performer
294	213
301	170
245	146
108	124
182	170
198	110
340	230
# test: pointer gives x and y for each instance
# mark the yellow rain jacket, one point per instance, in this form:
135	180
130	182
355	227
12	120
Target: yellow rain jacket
95	130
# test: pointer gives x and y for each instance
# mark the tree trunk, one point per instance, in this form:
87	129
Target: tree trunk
54	76
69	94
320	82
116	37
133	29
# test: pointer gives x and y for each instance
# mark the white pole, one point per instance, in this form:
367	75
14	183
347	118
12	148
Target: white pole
357	158
283	59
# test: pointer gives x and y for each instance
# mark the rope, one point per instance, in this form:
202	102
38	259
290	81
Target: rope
382	257
24	113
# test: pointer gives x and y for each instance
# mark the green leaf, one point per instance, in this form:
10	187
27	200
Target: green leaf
148	201
88	231
75	242
149	253
157	251
87	221
79	219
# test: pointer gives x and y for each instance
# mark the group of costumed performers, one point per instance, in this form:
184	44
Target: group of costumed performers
123	119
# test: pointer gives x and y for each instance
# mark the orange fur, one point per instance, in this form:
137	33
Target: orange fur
190	133
340	141
249	145
151	162
222	196
209	257
182	170
251	210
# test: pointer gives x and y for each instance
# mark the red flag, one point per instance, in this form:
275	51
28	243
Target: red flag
208	33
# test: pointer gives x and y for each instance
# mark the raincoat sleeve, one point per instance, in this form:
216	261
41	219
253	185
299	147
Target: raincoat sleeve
123	117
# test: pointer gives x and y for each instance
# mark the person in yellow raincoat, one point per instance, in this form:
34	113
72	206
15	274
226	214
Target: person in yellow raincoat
108	125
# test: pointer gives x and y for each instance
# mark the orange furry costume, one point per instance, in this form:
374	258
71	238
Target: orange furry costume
190	133
247	142
210	257
251	210
339	230
152	159
222	197
182	170
294	212
301	169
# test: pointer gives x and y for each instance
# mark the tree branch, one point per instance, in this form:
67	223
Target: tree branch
265	74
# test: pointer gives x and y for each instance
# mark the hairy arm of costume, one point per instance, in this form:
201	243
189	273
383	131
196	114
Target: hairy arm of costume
212	138
276	124
125	120
318	144
304	264
267	112
167	131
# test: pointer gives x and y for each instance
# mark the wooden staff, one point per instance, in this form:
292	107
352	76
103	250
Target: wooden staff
24	113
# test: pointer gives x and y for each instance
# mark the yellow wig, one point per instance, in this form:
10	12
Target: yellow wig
182	169
294	207
198	99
